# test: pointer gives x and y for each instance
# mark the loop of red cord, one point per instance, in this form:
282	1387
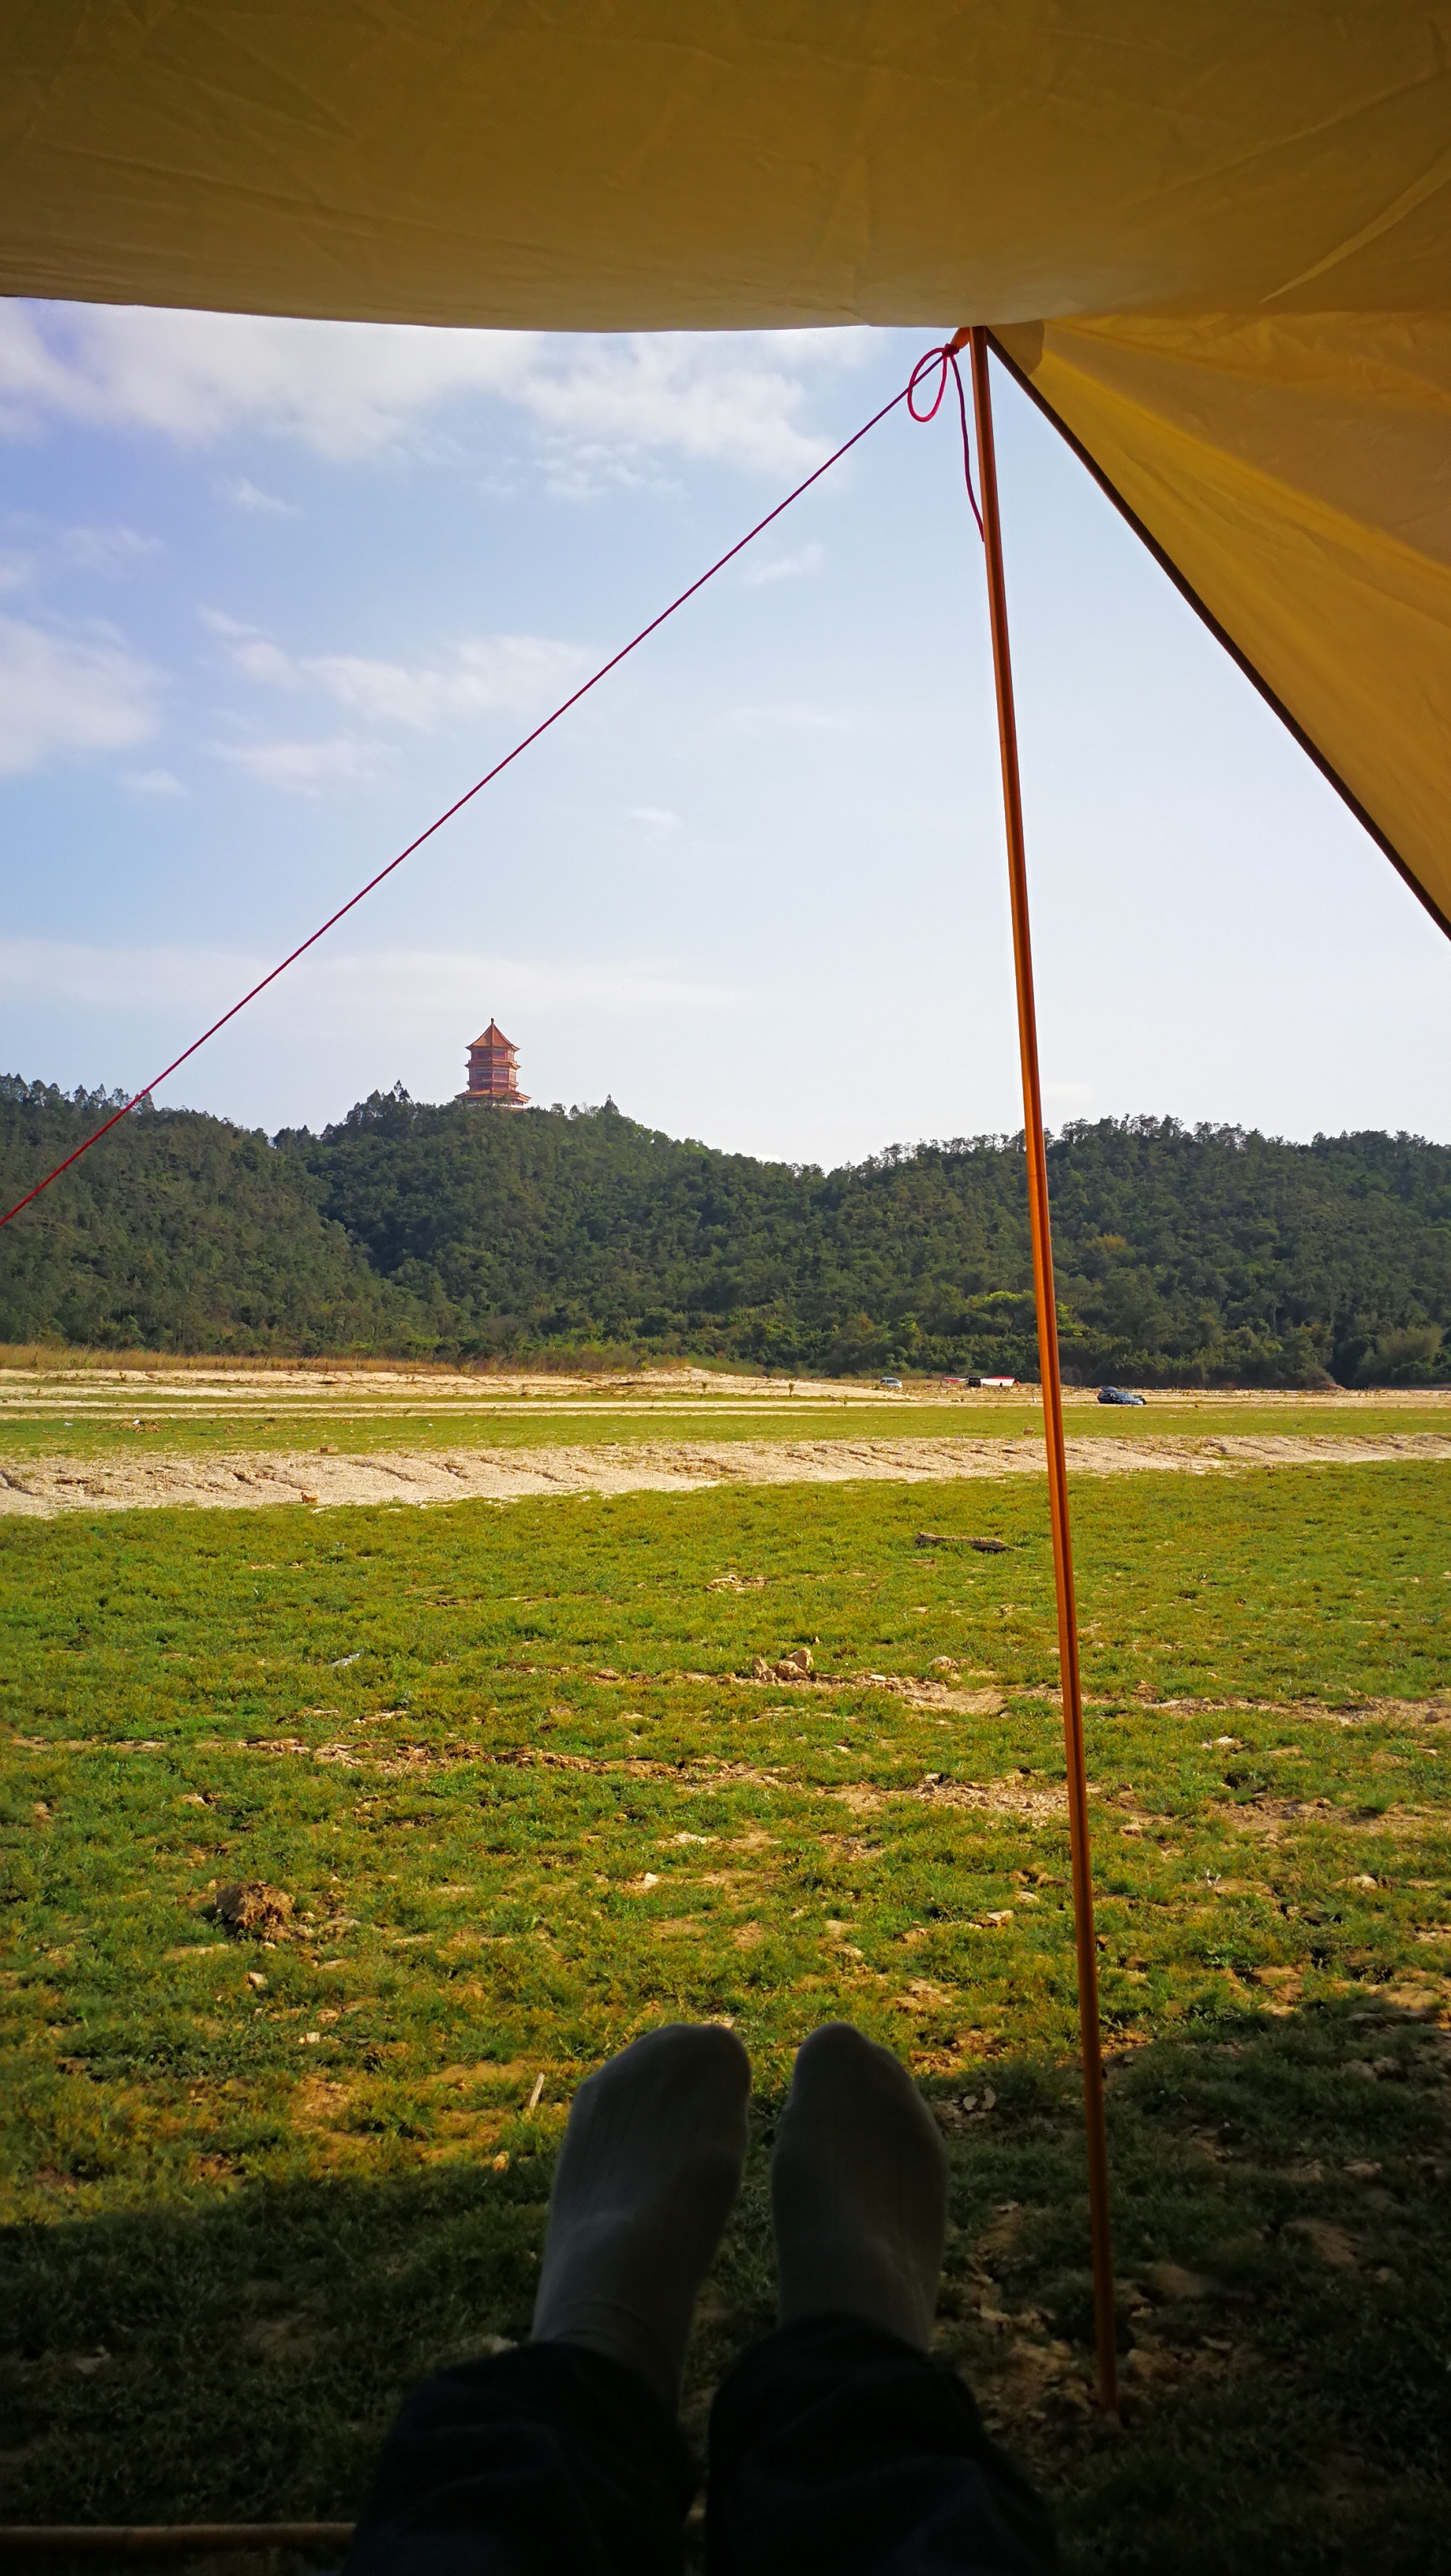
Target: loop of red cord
944	358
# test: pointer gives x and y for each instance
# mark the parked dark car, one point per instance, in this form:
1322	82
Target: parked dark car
1117	1395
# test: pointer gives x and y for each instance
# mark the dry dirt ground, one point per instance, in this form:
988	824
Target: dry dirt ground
241	1481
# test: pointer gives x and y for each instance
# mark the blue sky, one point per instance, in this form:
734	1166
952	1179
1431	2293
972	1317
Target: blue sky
273	593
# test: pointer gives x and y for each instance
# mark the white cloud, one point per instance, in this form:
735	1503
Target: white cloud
807	559
353	389
62	694
658	818
517	672
426	981
787	717
258	658
405	990
522	674
342	760
340	388
731	401
86	549
106	549
153	782
126	978
244	494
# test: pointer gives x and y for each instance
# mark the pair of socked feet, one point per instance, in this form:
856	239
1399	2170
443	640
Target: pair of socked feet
652	2161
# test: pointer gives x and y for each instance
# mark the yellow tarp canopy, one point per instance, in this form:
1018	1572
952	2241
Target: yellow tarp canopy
1214	236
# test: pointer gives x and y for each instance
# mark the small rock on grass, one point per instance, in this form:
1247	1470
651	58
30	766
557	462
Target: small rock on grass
1331	2243
1172	2281
795	1667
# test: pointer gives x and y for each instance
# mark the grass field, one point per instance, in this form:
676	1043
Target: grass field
512	1769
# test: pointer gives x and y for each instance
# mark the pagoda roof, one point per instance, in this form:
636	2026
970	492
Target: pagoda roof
494	1035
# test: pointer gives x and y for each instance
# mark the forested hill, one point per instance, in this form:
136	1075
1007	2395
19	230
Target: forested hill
1184	1256
179	1232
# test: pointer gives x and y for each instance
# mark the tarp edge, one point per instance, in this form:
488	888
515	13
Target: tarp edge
1165	561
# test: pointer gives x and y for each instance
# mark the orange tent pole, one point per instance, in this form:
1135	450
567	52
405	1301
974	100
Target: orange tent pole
1037	1156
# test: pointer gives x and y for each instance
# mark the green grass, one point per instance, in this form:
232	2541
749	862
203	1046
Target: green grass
500	1760
361	1423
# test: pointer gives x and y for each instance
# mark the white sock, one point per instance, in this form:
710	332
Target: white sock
649	2168
858	2188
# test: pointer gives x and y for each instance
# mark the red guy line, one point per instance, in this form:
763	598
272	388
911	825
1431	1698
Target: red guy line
946	356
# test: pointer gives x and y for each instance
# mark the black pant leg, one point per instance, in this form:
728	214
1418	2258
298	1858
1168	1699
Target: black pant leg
834	2445
545	2461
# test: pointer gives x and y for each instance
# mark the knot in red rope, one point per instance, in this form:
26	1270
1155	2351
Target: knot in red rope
944	360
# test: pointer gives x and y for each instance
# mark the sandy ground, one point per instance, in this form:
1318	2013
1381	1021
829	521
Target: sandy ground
186	1388
248	1481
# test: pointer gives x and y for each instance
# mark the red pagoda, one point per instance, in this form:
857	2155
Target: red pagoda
494	1071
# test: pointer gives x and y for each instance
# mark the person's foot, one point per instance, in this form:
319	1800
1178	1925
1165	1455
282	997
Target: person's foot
650	2165
858	2189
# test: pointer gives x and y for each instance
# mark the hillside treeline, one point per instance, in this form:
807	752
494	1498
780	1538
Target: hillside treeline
1185	1256
178	1233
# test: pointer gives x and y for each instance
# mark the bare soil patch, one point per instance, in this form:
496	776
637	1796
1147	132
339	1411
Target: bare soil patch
44	1487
